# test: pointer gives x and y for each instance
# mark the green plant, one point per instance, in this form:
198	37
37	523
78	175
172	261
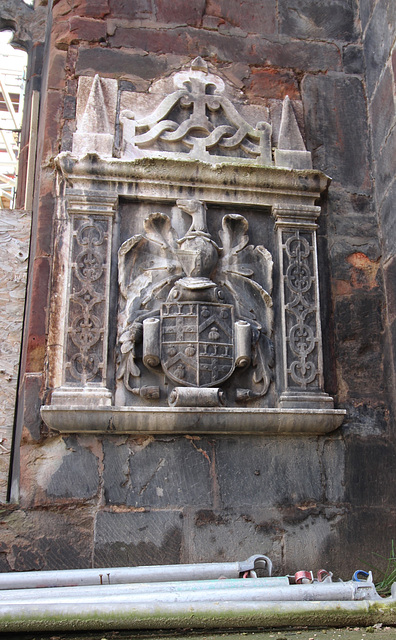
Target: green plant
388	576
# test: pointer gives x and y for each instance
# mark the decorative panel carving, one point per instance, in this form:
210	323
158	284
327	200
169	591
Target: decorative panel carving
302	341
86	346
185	205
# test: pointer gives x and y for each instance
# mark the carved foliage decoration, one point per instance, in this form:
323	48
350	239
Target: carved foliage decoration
85	349
301	307
199	120
193	310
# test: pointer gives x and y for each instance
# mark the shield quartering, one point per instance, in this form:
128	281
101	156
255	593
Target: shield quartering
197	342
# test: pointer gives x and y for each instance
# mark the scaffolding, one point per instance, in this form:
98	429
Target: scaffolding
12	86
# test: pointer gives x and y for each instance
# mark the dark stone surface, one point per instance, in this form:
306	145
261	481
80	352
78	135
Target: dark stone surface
77	476
382	110
363	419
294	54
32	403
179	11
268	473
132	10
352	59
361	539
309	56
368	465
336	125
116	64
47	540
385	168
160	473
378	41
138	538
388	222
359	343
315	19
365	7
390	279
69	107
252	16
224	536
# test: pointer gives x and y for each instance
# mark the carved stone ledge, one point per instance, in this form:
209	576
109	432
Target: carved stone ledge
211	421
170	179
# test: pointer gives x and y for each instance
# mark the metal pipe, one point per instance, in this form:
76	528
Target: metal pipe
125	575
340	591
115	590
155	615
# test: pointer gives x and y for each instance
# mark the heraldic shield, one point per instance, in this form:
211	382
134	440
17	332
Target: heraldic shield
197	342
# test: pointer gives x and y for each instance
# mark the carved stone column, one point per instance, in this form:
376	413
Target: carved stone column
301	336
84	370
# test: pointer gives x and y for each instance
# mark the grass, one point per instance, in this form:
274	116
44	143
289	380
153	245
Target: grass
388	576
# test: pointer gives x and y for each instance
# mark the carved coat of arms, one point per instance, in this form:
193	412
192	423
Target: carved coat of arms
195	311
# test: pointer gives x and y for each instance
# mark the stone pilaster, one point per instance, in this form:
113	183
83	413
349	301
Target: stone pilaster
301	336
84	367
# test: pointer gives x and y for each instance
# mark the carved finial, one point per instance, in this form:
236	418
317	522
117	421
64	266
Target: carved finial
199	65
95	119
197	210
290	137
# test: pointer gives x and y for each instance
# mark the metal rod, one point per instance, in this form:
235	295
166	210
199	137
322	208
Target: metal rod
124	575
28	618
115	590
339	591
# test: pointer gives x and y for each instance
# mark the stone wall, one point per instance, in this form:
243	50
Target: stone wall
305	501
378	24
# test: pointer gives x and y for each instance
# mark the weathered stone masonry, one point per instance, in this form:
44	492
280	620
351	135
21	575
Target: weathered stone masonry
303	500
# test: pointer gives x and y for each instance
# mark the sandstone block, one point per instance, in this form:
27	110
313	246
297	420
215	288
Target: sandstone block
382	110
56	73
378	41
151	474
224	536
366	7
252	16
273	83
390	279
118	64
388	222
257	483
336	125
133	538
180	12
315	19
352	59
384	168
131	10
37	317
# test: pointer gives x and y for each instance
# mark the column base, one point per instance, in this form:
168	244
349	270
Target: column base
305	400
82	396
